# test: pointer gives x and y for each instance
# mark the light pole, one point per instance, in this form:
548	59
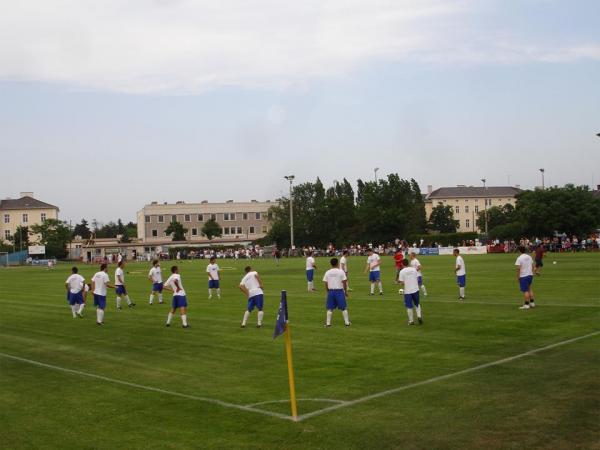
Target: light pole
376	170
290	178
483	180
543	184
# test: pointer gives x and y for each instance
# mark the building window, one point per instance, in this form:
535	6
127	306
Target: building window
226	216
213	217
264	228
194	231
251	230
200	217
154	233
257	216
173	218
239	230
25	218
6	234
43	216
147	219
161	219
6	218
229	216
245	216
466	208
467	223
476	208
188	218
225	230
457	209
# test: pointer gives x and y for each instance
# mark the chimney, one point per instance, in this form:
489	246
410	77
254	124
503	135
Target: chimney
26	194
429	189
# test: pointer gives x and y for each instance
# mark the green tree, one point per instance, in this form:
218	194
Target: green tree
55	235
177	231
442	219
82	229
496	216
20	239
212	229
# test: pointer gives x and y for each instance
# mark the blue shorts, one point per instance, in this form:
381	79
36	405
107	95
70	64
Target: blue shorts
374	275
100	301
336	299
461	280
310	274
420	280
411	299
179	301
157	287
256	302
75	299
120	290
525	283
213	284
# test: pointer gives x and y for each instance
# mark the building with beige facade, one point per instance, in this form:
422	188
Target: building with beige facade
468	201
24	211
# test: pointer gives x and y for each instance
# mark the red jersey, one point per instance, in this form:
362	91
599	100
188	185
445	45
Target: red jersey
398	257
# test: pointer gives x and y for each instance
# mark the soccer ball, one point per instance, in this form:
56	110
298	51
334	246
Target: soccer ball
401	291
553	262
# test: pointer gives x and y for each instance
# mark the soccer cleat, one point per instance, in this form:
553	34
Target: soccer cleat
167	324
371	293
259	325
118	307
381	293
209	297
160	303
460	299
532	305
150	303
80	315
185	326
243	326
411	323
524	307
99	323
131	305
420	320
327	325
348	324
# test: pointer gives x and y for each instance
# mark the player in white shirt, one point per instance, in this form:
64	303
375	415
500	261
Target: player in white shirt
120	288
179	302
414	262
524	265
252	286
213	272
374	269
344	267
336	285
75	285
310	271
155	277
461	274
409	278
100	285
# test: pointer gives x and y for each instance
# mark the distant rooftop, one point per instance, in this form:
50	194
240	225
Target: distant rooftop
474	191
25	202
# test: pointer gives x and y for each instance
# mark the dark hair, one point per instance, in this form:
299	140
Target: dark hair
212	258
247	269
155	262
456	250
334	262
120	263
74	270
173	269
103	267
522	248
345	252
405	262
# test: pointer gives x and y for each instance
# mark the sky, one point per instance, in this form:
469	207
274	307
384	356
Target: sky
107	106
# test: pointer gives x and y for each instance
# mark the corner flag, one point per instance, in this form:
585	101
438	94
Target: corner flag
282	316
282	327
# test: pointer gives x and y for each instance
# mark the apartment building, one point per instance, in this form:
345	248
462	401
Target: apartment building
468	201
23	211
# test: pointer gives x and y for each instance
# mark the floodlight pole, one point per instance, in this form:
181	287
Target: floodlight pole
543	184
290	178
376	170
483	180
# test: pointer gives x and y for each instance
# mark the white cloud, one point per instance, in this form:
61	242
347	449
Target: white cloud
182	46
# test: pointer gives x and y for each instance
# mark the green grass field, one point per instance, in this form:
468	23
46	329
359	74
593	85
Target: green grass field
119	385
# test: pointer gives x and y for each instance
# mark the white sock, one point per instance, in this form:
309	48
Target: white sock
424	289
462	291
219	292
169	318
184	320
418	311
245	320
99	315
329	314
118	302
81	308
260	317
409	311
74	310
346	318
372	288
380	287
209	293
311	285
128	301
151	298
159	298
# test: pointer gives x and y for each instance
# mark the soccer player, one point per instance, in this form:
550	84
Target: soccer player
213	272
414	262
75	288
398	258
310	272
539	258
120	288
155	277
344	267
461	274
336	285
179	302
373	267
524	265
409	278
252	286
100	284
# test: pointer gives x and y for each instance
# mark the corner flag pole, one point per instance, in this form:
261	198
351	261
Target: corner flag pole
288	351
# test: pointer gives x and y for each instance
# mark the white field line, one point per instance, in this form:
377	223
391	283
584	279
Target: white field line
287	400
339	403
148	388
441	378
516	304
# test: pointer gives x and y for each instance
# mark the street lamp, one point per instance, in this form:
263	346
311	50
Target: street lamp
483	180
290	178
376	170
543	184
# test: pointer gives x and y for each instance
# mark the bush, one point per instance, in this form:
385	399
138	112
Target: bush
509	231
443	239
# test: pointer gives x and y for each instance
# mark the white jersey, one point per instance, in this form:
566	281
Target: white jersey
460	262
414	263
119	273
155	274
310	263
525	263
76	283
409	276
344	264
100	279
250	282
213	271
335	278
372	261
171	283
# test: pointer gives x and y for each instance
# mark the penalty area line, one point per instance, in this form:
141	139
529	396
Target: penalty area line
442	377
148	388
